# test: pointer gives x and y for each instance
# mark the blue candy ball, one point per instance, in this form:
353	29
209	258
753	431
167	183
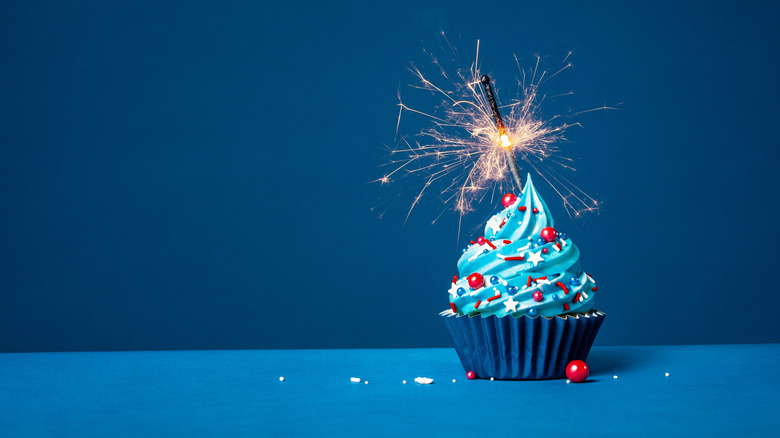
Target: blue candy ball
464	250
555	297
534	245
511	290
461	291
532	312
562	235
541	241
494	279
574	280
485	251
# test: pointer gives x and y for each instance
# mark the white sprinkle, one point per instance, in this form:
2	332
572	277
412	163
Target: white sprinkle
354	379
614	377
492	379
281	379
404	382
453	380
568	381
505	283
423	380
366	382
667	374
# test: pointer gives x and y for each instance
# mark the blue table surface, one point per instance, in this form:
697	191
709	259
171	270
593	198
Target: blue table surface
717	390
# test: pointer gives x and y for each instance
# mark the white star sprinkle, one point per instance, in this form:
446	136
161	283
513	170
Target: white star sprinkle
511	305
543	281
454	290
535	257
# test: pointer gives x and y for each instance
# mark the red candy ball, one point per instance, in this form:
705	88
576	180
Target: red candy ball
471	375
538	296
577	371
535	210
476	280
508	199
549	234
481	240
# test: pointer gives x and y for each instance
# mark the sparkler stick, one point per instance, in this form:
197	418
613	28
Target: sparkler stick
505	142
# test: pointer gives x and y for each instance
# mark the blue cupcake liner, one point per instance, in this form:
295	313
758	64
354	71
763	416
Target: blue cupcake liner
521	348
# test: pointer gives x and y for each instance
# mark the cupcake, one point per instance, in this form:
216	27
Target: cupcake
521	307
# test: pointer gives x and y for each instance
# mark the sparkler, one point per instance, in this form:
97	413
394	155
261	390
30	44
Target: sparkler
468	147
505	142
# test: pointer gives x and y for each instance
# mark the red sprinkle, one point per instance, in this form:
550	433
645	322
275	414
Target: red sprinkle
576	298
452	306
540	278
455	279
513	258
507	242
566	307
522	208
473	242
503	222
529	281
493	298
490	244
477	305
563	286
595	289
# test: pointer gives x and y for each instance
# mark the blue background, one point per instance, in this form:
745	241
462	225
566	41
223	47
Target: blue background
194	175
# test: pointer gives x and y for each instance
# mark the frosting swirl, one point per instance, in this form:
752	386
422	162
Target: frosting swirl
522	266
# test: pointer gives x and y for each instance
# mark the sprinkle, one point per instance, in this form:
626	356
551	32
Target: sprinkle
477	305
366	382
455	279
504	282
566	307
557	247
522	208
493	298
492	379
281	379
404	382
568	381
562	286
490	244
576	297
354	379
667	374
503	222
453	380
544	250
473	242
614	377
595	289
507	242
529	281
540	278
518	258
452	306
423	380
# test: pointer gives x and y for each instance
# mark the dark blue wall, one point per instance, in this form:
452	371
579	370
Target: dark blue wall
193	175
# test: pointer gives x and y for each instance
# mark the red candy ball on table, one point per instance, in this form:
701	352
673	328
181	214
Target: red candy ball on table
508	199
476	280
471	375
577	371
538	296
549	234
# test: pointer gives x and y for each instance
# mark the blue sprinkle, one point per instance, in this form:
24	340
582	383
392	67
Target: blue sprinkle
494	279
461	291
532	312
555	297
541	241
511	290
574	281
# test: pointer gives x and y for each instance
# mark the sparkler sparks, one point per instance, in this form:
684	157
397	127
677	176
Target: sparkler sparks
468	149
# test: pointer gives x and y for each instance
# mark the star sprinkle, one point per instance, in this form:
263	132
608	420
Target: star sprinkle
535	257
511	305
454	290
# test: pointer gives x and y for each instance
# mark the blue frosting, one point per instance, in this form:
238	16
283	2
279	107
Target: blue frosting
510	285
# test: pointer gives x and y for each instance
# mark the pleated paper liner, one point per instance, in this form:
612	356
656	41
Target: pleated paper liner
524	348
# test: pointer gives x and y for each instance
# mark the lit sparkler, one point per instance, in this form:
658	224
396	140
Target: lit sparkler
469	146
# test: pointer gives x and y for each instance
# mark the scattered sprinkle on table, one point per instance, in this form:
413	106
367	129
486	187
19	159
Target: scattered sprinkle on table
423	380
366	382
281	379
404	382
568	381
354	379
453	380
614	377
492	379
667	374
